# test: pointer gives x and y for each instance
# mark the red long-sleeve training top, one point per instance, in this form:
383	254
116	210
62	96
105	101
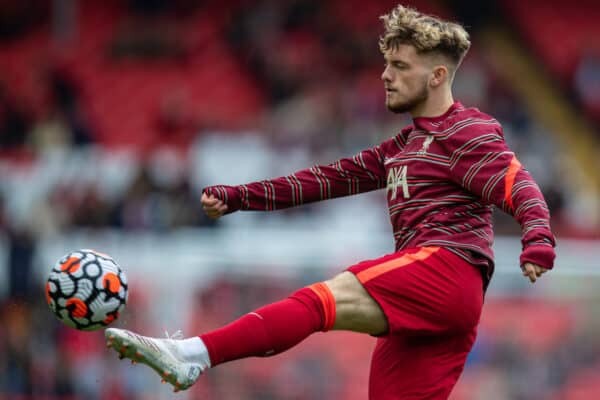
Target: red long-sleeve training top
443	177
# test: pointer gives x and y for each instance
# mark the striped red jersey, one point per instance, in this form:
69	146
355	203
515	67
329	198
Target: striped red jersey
443	176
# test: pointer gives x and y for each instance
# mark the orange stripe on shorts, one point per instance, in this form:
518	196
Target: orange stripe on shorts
509	180
328	302
373	272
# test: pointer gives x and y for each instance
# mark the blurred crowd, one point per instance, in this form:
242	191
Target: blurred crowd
300	76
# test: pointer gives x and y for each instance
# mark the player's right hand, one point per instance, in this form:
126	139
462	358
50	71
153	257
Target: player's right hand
212	206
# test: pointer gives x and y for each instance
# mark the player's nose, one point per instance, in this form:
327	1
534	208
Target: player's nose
385	75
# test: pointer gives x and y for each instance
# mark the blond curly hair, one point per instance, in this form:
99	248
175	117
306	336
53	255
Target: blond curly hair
427	33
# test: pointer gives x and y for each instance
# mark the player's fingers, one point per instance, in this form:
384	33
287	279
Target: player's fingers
213	214
206	199
211	207
209	201
216	211
214	204
540	270
535	269
529	271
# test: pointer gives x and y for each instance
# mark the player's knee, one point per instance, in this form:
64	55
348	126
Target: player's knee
320	301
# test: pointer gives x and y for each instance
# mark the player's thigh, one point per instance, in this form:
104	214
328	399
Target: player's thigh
355	308
418	367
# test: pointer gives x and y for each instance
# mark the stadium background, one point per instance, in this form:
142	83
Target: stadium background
114	114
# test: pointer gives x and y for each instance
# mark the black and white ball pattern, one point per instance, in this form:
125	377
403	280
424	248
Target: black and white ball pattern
86	290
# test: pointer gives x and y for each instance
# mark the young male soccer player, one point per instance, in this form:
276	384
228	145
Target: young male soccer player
443	174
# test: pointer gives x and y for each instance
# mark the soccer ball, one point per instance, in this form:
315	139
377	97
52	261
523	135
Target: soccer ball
86	290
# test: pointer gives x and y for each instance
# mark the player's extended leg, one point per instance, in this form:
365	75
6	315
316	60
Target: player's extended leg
339	303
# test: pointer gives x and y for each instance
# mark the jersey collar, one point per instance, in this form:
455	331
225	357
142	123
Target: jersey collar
429	123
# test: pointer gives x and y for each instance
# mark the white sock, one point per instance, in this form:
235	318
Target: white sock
194	350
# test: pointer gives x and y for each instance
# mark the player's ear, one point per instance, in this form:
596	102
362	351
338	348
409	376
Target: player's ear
439	75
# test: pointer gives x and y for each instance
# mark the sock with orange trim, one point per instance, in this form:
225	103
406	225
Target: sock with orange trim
274	328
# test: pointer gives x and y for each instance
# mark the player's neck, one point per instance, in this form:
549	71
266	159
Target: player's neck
434	106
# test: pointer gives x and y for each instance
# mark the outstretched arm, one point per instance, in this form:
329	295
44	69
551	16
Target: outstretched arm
483	164
362	173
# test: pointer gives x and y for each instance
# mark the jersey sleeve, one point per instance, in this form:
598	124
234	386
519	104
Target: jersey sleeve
482	163
362	173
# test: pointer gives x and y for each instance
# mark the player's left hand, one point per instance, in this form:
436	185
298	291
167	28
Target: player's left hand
532	271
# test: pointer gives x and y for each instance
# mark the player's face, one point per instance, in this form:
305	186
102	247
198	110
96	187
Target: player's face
405	77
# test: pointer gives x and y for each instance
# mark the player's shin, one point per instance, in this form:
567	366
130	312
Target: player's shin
274	328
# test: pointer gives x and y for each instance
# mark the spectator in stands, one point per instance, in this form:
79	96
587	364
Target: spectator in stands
14	121
21	249
176	123
67	98
159	198
61	120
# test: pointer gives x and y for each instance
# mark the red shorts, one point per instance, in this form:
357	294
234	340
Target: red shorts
432	300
